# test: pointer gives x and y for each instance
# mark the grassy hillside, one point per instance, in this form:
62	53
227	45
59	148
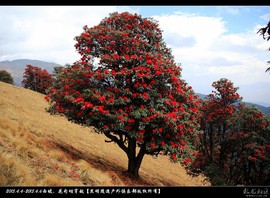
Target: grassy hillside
39	149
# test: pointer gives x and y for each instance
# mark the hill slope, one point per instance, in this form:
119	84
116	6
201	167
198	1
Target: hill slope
39	149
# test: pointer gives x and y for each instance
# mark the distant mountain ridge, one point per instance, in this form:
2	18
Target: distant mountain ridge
16	67
265	110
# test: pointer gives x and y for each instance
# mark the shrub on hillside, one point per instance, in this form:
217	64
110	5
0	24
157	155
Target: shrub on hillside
6	77
37	79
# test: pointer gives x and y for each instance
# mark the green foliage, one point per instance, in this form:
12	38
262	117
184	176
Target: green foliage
212	171
6	77
134	95
234	146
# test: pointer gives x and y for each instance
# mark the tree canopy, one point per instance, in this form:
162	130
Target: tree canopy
234	148
129	87
6	77
36	79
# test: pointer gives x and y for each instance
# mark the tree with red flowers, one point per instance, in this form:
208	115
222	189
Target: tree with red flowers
128	86
218	109
234	146
249	157
36	79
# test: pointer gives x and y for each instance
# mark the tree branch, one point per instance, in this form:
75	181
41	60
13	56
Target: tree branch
119	142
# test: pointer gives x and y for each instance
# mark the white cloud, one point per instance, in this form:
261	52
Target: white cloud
46	32
191	25
265	17
215	53
203	45
238	69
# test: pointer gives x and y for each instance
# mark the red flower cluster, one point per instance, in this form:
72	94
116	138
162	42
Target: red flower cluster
37	79
135	92
234	138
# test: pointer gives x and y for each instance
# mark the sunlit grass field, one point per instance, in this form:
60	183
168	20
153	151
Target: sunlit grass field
39	149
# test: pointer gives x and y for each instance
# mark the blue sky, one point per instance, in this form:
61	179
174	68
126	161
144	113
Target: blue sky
210	42
238	18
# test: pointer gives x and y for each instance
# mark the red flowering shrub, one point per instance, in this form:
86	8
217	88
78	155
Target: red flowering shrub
36	79
249	157
134	94
234	146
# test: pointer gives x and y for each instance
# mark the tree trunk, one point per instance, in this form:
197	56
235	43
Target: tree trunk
134	162
222	154
134	166
211	142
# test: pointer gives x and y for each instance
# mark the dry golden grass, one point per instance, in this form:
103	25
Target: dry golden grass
39	149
